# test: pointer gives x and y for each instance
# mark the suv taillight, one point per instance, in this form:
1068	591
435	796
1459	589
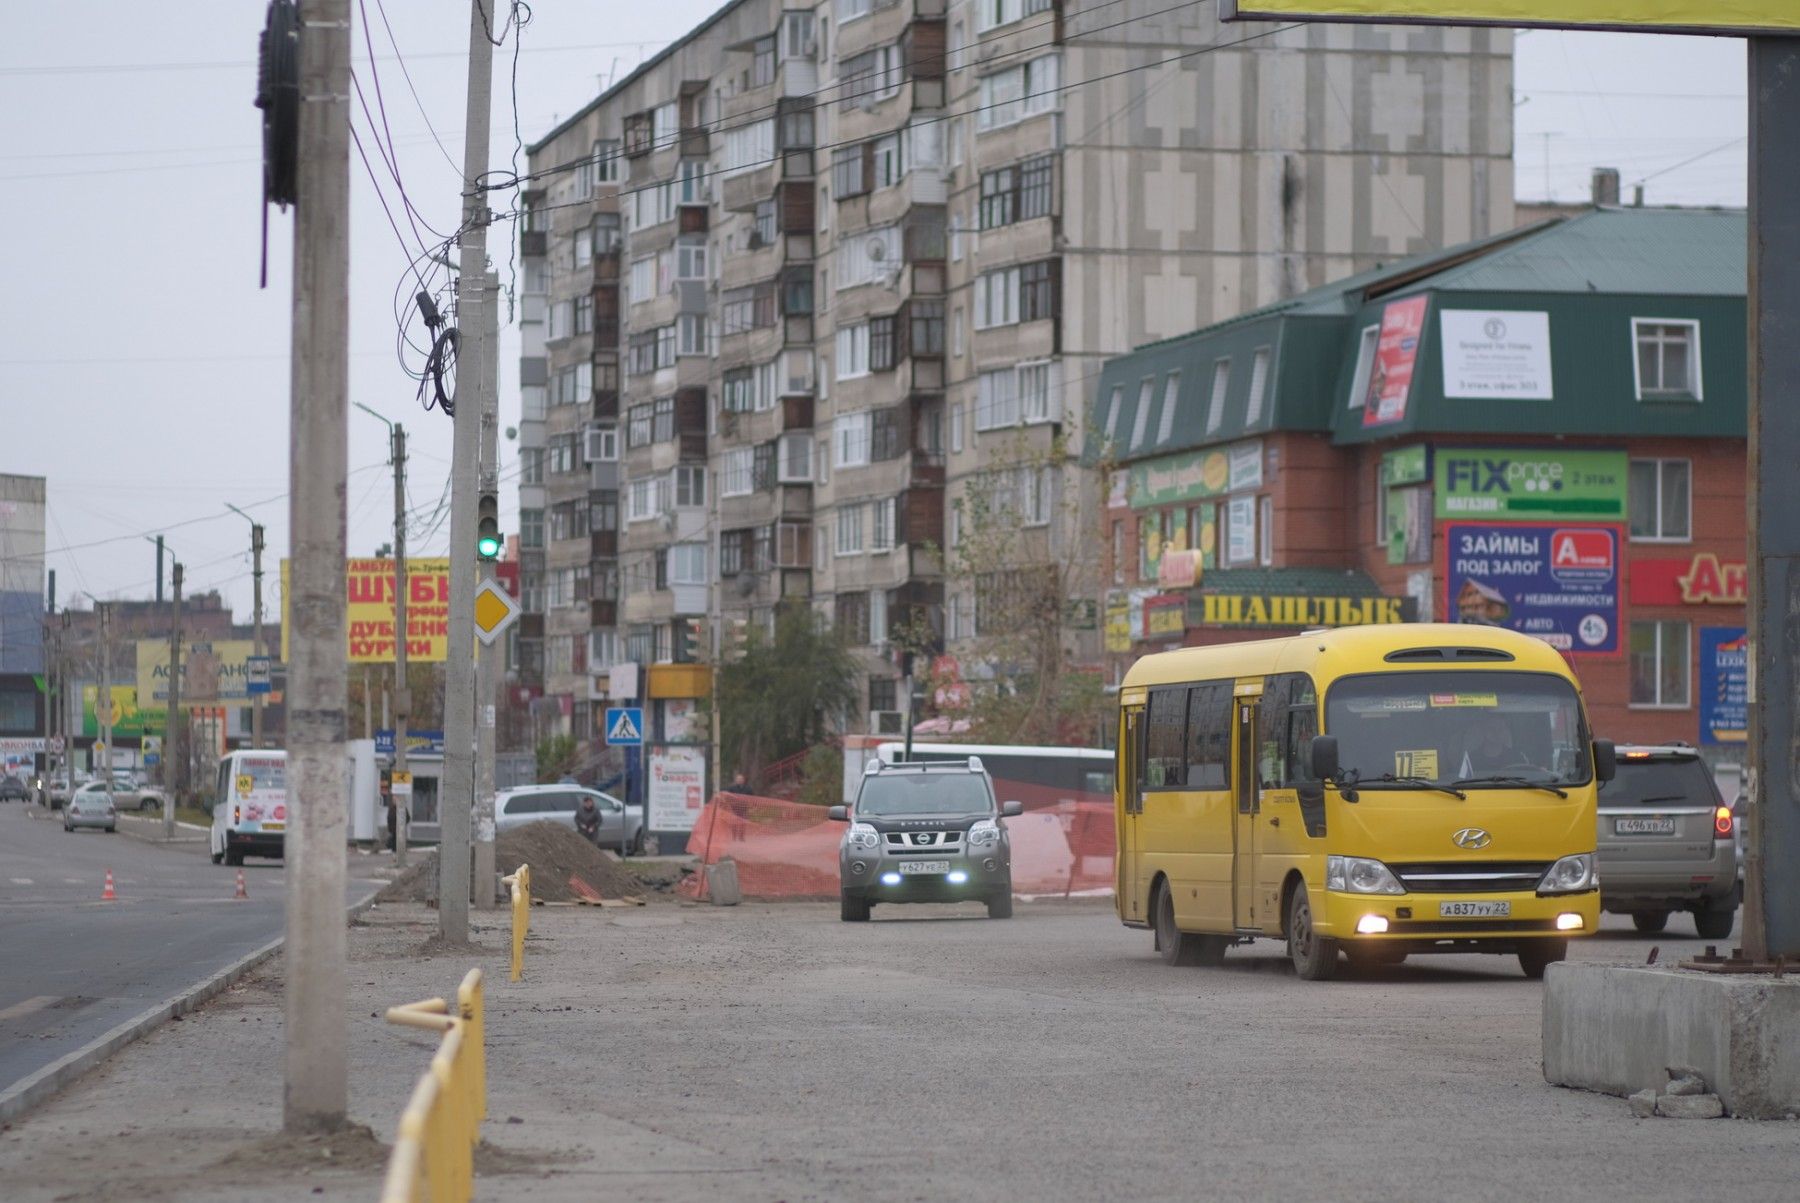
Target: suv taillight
1722	823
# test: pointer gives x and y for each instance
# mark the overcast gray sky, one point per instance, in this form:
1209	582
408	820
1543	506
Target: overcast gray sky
145	374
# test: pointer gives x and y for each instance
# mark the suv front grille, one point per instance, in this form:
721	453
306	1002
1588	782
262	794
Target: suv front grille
1471	877
924	841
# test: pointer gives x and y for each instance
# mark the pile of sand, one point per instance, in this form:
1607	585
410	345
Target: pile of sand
556	853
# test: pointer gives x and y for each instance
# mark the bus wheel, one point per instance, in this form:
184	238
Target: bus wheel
1315	957
1535	956
1177	947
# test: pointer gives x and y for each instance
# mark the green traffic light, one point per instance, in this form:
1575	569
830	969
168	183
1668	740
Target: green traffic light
487	547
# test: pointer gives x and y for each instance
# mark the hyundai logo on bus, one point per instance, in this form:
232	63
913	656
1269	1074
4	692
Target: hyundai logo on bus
1472	838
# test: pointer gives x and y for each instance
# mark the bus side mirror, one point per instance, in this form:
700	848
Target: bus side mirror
840	813
1012	810
1323	755
1606	760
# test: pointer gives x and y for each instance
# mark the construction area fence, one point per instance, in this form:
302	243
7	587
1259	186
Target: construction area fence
782	849
434	1153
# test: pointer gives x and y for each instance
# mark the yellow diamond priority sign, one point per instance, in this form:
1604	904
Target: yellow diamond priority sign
495	610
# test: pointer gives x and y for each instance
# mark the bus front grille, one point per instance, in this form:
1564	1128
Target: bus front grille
1471	877
1467	927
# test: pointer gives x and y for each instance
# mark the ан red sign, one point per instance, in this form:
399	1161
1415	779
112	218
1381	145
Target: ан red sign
1704	580
1581	556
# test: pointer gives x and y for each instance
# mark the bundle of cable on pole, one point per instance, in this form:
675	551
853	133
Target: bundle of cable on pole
278	96
440	363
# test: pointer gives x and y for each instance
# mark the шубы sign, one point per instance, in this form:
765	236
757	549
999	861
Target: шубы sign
369	606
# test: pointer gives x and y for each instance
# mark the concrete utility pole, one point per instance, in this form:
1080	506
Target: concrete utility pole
487	655
1772	898
103	698
316	1094
173	763
458	790
402	686
256	574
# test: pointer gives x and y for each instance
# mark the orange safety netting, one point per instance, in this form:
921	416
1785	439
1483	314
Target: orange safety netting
1060	845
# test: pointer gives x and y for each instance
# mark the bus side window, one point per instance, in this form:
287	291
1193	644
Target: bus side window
1271	733
1164	750
224	794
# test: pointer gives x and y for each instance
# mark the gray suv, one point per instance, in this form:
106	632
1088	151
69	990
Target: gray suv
925	833
1667	842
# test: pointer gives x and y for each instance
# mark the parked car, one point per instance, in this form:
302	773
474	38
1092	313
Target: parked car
1667	842
130	795
90	807
621	827
55	793
14	790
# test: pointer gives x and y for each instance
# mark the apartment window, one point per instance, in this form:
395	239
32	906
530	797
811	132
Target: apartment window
690	261
1668	359
531	528
602	444
1265	530
881	344
584	184
850	530
606	161
1365	366
603	510
1034	493
1660	664
823	460
663	419
957	332
853	351
763	232
797	128
665	347
663	123
886	439
1240	531
1034	391
1259	382
565	453
1661	493
1037	290
850	617
795	459
1171	398
562	315
881	536
690	334
997	298
643	499
762	467
871	76
850	10
687	564
883	694
637	426
797	293
997	401
642	284
604	233
999	197
927	326
1036	183
762	61
584	309
956	428
1221	381
665	642
889	164
1019	92
583	250
734	472
1018	193
851	433
731	552
797	35
531	466
737	391
690	487
747	146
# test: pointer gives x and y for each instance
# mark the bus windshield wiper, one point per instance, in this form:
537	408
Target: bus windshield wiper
1419	783
1524	781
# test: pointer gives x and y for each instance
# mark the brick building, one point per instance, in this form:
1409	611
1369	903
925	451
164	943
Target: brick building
1543	430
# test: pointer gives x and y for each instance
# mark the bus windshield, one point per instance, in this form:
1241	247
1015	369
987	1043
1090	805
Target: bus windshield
891	795
1472	729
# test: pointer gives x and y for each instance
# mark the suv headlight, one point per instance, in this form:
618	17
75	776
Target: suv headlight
984	833
1569	875
1360	875
863	836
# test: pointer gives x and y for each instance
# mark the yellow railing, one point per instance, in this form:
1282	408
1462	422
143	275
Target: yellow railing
434	1154
520	881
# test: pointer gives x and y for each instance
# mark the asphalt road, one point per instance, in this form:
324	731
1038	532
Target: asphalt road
72	967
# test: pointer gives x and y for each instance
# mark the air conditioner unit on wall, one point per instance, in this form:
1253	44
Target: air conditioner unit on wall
887	722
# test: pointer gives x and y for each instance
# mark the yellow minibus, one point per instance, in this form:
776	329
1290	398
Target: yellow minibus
1376	791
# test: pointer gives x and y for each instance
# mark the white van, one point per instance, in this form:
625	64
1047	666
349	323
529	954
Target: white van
250	806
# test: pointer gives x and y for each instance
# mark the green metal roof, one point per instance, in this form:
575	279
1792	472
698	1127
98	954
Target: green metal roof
1640	252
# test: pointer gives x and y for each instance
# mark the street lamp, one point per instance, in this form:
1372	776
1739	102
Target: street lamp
256	694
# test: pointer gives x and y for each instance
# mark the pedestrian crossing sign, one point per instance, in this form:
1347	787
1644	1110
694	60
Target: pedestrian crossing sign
625	726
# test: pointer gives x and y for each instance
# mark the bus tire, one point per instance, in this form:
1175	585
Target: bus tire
1535	956
1315	957
1177	947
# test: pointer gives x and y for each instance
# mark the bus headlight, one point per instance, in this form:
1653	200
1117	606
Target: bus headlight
984	833
864	836
1360	875
1569	875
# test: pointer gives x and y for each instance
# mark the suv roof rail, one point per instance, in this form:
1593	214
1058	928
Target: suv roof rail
975	764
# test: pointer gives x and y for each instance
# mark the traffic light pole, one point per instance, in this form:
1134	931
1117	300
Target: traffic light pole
487	654
173	754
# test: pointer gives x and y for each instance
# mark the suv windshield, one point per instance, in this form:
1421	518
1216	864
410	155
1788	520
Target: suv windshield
1444	727
1662	782
890	794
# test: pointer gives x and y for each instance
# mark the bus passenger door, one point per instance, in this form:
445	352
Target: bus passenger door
1133	907
1244	788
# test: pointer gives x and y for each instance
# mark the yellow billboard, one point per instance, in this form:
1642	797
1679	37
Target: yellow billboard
1637	16
369	603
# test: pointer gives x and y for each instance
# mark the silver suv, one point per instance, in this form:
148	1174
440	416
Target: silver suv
925	833
1667	842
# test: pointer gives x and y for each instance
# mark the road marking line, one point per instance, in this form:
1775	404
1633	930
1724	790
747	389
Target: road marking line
71	881
21	1009
23	881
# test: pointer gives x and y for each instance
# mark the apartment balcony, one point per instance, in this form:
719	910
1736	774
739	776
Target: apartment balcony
796	413
534	242
692	217
603	544
603	613
927	471
606	405
606	270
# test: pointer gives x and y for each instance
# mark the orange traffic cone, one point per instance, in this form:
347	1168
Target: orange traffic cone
107	894
241	891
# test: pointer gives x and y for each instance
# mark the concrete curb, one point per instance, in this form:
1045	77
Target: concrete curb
63	1072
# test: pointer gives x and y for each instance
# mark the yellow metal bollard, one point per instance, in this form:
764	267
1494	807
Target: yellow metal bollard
434	1154
520	881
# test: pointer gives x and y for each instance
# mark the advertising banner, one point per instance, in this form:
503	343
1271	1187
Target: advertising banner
212	672
677	788
1704	580
1496	354
1396	355
1546	483
1165	616
1195	474
128	721
1559	583
1636	16
1259	611
369	600
418	743
1724	685
1118	623
1409	525
1407	466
